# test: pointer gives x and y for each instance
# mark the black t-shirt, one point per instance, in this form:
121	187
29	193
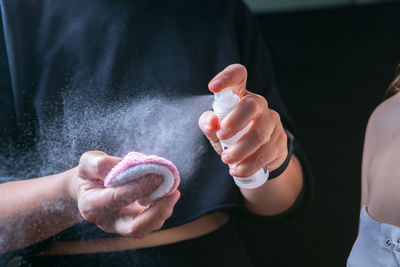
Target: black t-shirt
72	71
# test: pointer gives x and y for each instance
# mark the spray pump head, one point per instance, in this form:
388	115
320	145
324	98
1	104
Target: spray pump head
224	102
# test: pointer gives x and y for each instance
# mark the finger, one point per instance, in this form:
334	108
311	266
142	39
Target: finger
260	133
271	154
151	219
234	76
132	209
250	108
125	215
98	201
94	165
122	195
209	124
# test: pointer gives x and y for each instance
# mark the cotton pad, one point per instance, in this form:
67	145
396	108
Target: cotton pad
136	165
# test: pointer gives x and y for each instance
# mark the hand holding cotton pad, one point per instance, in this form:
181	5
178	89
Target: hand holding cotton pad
136	165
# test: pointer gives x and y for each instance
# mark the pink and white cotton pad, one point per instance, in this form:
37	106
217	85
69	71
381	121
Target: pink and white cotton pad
136	165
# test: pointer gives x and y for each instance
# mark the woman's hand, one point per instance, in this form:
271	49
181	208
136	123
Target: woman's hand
263	145
117	209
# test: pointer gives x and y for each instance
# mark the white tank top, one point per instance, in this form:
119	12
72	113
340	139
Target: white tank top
377	244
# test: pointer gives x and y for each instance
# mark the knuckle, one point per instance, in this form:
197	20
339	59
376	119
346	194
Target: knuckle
260	160
177	196
282	156
250	101
265	102
100	163
276	115
277	162
276	155
258	99
86	155
168	212
259	135
283	152
255	103
283	140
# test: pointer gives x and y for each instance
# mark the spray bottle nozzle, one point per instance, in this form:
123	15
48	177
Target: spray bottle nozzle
223	93
224	102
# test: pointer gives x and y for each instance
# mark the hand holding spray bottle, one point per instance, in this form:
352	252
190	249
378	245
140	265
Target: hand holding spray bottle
225	101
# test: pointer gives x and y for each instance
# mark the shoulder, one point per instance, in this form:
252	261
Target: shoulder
385	120
387	111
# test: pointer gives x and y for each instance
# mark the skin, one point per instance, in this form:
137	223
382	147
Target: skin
44	206
380	168
264	144
35	209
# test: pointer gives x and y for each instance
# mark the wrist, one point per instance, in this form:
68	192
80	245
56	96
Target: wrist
69	183
290	148
70	193
277	195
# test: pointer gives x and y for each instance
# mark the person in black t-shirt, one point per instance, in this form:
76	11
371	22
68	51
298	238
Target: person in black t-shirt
116	51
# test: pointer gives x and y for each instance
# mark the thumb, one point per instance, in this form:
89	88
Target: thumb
94	165
99	200
234	76
209	125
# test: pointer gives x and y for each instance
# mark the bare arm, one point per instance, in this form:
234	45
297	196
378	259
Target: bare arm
35	209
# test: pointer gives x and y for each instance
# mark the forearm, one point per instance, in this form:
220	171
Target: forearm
35	209
277	195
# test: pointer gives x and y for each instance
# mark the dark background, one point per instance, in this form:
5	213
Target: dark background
332	67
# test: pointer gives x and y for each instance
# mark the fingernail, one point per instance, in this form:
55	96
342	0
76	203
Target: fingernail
220	134
225	159
233	171
215	85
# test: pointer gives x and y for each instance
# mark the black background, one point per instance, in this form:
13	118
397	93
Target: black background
332	67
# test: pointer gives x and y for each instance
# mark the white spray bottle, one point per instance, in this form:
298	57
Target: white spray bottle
225	101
